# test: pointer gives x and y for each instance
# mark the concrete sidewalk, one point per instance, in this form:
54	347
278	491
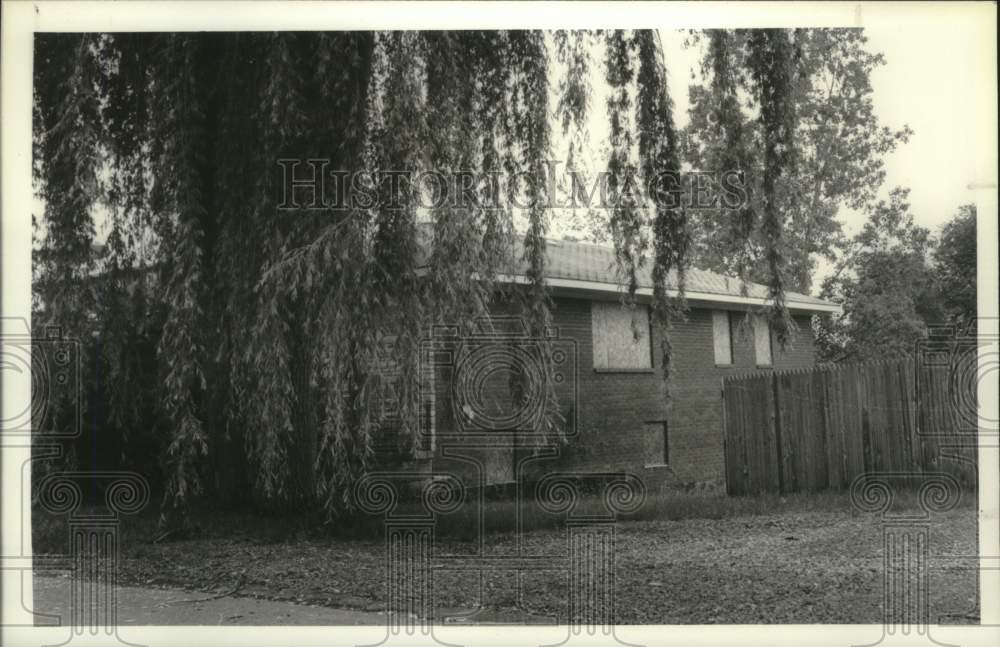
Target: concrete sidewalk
155	606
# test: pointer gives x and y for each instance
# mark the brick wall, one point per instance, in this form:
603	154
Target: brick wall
695	421
616	411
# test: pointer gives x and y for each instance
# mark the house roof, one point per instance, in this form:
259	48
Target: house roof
590	269
587	267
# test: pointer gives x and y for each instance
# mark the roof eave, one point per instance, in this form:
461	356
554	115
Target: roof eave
599	289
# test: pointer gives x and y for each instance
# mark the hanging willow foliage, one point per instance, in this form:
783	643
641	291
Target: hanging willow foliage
735	151
658	152
273	325
770	58
625	220
750	69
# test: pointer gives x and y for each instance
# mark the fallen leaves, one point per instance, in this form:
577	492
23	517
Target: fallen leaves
793	567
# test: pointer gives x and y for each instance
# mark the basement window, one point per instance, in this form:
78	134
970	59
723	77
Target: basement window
656	444
620	337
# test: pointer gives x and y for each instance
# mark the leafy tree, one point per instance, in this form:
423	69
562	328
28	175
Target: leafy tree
955	265
271	324
887	286
836	143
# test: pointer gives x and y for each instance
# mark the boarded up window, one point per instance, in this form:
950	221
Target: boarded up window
656	445
617	343
762	340
722	337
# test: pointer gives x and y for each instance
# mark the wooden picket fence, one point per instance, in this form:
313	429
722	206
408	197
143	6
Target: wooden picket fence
820	428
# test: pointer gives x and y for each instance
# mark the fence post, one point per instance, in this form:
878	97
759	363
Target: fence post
725	439
777	433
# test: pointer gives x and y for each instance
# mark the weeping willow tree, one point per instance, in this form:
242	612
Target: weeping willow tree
271	322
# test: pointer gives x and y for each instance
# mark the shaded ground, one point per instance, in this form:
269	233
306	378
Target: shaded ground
791	567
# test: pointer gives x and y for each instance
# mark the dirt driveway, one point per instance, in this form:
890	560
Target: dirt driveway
794	567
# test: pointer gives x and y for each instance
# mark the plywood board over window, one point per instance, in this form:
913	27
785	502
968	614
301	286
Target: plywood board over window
617	343
762	340
722	337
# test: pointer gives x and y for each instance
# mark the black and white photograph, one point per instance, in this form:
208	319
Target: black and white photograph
552	322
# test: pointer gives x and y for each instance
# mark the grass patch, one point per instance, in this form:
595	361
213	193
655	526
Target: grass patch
496	516
500	516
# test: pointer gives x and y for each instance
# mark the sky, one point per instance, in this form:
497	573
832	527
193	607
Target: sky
941	83
940	79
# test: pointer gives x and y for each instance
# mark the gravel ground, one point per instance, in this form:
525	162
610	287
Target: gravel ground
793	567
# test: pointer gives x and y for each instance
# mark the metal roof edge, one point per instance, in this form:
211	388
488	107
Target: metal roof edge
690	295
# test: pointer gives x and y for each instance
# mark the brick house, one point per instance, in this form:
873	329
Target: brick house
613	399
